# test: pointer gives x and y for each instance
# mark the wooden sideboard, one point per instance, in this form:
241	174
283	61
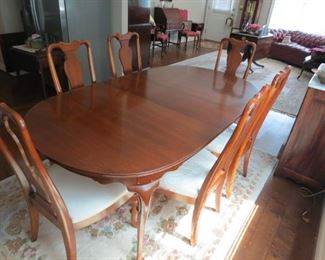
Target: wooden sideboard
303	158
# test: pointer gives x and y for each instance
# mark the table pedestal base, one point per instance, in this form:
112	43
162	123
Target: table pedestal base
144	192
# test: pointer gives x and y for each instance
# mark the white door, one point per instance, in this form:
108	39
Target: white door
220	16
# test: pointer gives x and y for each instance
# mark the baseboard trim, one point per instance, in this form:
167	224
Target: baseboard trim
320	249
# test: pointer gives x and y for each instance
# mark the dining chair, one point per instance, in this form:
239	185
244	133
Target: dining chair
187	32
68	200
202	175
157	35
72	64
237	51
277	86
271	95
125	52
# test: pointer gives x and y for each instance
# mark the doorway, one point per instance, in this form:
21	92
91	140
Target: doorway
219	19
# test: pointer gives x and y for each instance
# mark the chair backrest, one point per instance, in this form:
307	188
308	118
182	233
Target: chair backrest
228	161
187	26
18	149
72	64
276	87
125	52
236	50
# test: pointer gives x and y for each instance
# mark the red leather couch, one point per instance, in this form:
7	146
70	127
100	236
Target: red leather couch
301	45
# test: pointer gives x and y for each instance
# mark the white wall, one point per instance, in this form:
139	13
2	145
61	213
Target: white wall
196	8
118	16
10	20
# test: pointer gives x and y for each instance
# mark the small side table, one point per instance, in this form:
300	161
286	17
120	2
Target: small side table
198	27
263	43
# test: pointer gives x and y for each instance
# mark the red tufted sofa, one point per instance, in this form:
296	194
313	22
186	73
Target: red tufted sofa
295	52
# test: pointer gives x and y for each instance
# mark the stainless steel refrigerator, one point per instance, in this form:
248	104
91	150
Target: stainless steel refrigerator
67	20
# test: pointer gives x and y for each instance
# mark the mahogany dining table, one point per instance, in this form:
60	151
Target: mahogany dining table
135	128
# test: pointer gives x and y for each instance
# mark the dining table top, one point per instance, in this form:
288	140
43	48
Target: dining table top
139	125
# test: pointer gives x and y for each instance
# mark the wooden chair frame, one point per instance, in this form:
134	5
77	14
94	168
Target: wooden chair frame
234	58
39	191
125	52
270	95
72	64
227	163
277	86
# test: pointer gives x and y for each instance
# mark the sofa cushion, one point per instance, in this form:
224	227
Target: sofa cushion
306	39
279	34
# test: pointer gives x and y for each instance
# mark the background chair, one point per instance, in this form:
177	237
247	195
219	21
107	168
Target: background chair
72	64
158	35
187	32
68	200
194	187
125	52
235	51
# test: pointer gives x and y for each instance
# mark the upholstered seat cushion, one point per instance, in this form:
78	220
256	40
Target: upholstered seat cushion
83	196
189	177
191	33
161	36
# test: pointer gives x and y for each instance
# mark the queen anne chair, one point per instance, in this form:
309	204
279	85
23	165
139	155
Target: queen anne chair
194	186
125	52
274	91
68	200
72	64
237	51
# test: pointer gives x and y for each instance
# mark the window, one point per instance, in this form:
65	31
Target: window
222	5
303	15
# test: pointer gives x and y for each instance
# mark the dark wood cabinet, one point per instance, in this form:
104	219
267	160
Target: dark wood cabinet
36	62
303	158
263	43
6	42
138	14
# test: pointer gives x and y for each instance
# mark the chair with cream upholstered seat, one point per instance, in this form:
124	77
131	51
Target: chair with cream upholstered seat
68	200
195	186
72	64
275	89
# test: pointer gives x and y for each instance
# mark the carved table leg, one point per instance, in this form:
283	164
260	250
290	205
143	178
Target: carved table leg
144	192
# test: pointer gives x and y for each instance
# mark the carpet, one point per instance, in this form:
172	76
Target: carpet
293	93
167	229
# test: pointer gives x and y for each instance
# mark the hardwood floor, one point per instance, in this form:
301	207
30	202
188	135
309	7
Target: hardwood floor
175	54
276	231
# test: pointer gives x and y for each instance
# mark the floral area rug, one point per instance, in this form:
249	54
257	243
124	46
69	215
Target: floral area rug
167	229
293	93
